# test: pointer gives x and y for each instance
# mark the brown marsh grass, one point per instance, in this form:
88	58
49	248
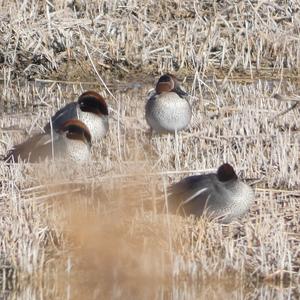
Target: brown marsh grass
74	39
101	230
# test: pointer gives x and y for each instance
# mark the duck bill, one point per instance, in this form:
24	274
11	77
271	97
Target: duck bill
180	92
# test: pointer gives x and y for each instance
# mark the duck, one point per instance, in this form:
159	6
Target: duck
166	110
71	142
90	108
221	195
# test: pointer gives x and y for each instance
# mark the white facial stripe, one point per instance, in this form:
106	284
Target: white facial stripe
194	196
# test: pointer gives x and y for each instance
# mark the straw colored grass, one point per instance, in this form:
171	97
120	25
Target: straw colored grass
101	229
108	219
40	38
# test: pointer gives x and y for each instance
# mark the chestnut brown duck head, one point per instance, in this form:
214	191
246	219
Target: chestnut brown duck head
167	110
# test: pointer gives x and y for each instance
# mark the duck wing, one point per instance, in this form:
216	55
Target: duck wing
190	195
64	114
34	149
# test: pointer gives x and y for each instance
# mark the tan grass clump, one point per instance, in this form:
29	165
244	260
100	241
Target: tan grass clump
71	37
117	201
101	229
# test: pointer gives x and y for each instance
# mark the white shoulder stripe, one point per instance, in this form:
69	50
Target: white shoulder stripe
194	196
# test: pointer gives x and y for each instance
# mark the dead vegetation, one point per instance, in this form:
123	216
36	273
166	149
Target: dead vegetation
102	230
68	39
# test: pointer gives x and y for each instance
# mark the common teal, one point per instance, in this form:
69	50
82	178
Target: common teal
72	141
221	195
167	110
91	109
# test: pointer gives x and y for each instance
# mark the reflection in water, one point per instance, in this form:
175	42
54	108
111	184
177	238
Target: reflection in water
180	291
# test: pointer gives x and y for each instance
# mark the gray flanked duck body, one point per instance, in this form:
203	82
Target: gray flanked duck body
71	142
219	195
166	109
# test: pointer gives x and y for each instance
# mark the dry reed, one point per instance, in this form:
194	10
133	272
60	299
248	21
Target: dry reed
101	229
